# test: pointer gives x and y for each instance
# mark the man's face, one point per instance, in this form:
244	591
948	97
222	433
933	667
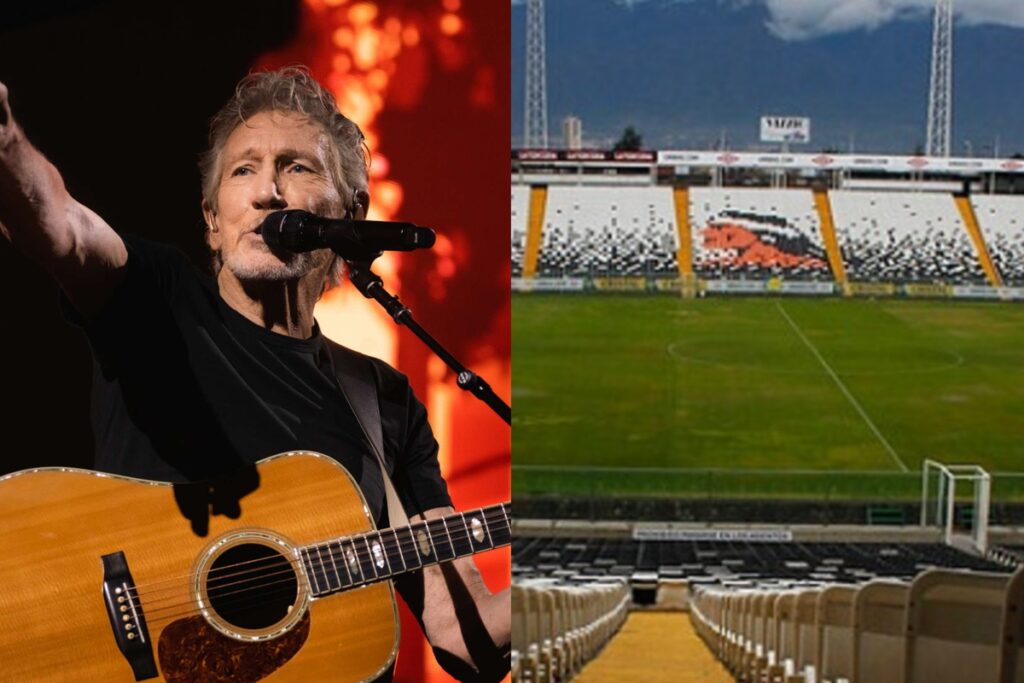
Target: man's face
271	162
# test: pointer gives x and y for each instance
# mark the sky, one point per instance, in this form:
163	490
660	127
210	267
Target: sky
858	68
809	19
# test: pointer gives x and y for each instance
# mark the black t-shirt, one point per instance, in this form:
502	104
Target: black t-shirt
186	388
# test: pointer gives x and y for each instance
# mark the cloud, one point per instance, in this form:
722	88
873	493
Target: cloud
804	19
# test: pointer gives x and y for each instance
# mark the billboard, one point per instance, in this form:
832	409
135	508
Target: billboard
637	156
837	162
785	129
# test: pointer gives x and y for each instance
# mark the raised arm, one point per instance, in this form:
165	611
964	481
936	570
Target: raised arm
41	219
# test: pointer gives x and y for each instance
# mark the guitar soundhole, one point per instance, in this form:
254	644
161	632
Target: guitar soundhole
251	586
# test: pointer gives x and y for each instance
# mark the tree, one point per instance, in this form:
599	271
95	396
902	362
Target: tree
631	141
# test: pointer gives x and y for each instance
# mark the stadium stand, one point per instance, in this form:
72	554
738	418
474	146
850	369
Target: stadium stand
757	234
946	626
596	231
778	611
520	216
833	562
919	238
1008	553
1001	218
557	627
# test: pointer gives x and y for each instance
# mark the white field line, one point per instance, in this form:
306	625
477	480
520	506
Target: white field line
842	387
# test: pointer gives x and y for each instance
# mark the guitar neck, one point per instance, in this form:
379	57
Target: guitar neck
343	563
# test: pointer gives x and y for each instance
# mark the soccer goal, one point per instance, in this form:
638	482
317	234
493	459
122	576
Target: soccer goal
956	499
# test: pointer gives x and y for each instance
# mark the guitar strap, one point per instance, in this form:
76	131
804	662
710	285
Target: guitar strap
358	385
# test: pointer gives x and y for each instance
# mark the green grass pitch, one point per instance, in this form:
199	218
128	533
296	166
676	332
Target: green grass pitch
758	386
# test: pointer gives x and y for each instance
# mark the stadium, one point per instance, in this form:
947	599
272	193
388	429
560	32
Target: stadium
767	419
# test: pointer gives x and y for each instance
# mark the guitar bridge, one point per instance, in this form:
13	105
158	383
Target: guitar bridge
126	617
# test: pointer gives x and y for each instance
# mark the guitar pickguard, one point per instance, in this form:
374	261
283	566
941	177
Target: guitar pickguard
192	651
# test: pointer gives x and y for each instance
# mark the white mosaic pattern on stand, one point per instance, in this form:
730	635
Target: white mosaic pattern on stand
1001	219
520	222
609	231
904	237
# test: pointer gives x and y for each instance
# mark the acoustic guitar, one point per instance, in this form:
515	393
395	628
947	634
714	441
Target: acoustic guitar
276	573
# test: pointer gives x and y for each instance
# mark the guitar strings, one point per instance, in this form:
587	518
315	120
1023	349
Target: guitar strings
355	574
488	515
360	553
359	550
291	578
255	596
257	584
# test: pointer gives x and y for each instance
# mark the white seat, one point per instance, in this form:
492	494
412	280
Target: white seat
880	643
834	623
953	626
1011	663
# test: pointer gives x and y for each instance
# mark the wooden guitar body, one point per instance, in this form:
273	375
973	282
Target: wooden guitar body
57	524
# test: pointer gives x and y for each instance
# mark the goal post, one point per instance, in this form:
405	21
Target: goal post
956	499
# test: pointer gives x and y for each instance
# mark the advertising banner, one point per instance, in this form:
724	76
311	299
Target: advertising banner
736	286
929	290
841	162
646	533
667	284
975	292
1011	293
548	284
586	155
785	129
813	288
627	155
535	155
620	284
871	288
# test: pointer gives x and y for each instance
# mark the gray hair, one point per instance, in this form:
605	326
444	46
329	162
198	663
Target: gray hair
290	90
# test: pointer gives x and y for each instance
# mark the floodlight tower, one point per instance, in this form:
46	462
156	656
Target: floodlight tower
536	134
940	94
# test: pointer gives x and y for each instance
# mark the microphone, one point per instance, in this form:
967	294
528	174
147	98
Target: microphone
297	231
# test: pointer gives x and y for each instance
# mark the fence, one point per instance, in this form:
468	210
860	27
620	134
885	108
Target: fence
778	496
651	284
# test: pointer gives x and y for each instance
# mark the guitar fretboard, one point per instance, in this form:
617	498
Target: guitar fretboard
343	563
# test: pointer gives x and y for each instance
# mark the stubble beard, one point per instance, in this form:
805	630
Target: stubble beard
289	267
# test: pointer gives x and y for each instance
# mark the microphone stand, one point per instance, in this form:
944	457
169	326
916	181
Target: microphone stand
371	286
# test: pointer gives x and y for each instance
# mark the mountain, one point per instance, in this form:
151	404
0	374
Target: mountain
682	73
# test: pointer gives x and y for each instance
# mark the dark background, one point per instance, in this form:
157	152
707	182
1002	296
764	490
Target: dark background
118	94
118	100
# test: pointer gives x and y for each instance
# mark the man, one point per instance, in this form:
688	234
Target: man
197	376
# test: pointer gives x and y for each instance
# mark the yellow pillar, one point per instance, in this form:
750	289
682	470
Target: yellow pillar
684	255
971	221
828	232
538	201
